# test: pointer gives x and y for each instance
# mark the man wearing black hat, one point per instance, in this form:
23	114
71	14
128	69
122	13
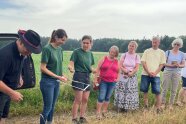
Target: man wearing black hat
11	61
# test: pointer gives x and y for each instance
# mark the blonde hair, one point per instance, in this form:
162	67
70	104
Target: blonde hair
134	42
116	49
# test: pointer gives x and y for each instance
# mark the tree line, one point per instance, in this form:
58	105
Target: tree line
103	44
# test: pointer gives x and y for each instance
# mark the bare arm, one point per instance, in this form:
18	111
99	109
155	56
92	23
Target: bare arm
122	67
181	65
48	72
71	66
118	76
158	70
14	95
134	70
145	67
97	70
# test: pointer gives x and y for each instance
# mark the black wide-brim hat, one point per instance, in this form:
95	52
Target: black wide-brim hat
31	40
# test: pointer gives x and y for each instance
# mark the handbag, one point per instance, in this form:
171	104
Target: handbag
162	69
28	73
96	87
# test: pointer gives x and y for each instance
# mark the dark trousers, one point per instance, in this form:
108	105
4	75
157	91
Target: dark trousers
4	105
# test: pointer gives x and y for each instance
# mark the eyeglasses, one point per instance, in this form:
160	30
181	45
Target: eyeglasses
176	44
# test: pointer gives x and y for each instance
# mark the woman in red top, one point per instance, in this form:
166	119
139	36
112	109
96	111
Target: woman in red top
108	70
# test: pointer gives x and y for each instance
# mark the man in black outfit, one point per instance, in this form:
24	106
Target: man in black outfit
11	61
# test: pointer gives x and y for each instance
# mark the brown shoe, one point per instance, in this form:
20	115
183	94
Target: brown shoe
75	121
105	114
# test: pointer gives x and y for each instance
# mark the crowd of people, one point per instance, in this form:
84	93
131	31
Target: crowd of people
118	76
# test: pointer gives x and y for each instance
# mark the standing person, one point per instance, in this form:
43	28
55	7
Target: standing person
182	92
172	71
152	60
81	61
11	59
126	91
108	70
51	74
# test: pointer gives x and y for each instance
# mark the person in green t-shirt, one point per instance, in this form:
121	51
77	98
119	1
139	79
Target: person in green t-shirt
51	73
81	62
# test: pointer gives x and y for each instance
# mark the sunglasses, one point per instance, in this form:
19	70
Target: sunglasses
176	44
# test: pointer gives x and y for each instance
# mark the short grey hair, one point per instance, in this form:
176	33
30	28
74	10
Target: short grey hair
179	41
116	49
155	38
134	42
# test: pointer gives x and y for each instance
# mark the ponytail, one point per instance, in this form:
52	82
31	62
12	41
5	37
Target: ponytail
59	33
52	38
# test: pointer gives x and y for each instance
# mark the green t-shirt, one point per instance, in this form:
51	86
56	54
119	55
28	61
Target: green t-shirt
53	58
82	60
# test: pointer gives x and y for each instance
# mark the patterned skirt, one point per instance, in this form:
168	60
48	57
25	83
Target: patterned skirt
126	93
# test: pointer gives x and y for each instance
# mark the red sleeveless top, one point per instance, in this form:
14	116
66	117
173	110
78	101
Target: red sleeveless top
109	70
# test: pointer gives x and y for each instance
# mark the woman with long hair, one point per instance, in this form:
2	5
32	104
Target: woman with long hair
51	73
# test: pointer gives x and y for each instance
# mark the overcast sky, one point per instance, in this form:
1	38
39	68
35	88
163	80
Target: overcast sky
99	18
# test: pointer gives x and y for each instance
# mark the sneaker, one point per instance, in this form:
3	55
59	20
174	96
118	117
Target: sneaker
105	114
179	103
83	120
163	106
75	121
98	116
146	107
158	111
170	107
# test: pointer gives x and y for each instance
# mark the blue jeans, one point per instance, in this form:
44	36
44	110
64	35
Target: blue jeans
145	83
105	91
50	90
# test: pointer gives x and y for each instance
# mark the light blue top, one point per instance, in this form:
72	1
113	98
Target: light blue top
183	70
172	57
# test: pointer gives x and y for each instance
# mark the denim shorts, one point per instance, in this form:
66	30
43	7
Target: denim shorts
83	80
105	91
184	82
146	81
4	105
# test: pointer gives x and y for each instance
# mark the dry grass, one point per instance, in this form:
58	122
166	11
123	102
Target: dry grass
176	116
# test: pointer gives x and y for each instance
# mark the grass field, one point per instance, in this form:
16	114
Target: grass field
32	103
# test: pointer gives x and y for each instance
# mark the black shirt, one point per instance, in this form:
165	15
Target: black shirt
10	65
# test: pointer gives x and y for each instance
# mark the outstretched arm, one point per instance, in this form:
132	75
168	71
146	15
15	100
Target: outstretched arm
14	95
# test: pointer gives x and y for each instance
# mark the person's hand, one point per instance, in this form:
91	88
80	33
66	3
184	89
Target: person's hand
94	71
177	65
62	78
71	69
151	74
16	96
116	80
124	70
130	74
20	84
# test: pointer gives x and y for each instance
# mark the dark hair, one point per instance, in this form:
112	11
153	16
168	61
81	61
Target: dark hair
59	33
87	37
